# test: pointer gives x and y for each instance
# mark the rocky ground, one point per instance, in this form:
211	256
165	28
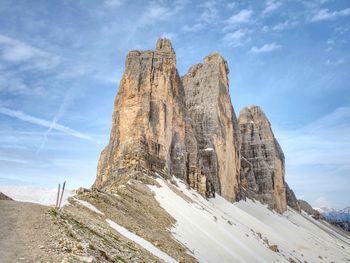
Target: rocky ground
75	233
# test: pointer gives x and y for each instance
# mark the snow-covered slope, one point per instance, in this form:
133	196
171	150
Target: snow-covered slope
39	195
216	230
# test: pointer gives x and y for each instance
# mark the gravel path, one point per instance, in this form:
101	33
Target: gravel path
27	233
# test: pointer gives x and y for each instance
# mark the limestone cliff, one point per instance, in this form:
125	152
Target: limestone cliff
148	123
187	127
215	127
157	126
262	163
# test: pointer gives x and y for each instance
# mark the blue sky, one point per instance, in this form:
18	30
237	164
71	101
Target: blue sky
61	61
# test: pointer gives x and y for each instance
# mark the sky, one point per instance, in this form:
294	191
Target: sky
61	62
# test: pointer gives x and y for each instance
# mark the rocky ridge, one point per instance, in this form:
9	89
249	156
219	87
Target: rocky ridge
186	127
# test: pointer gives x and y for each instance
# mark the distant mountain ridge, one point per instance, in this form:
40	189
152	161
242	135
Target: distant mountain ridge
340	217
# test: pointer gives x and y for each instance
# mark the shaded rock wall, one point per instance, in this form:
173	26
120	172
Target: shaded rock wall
214	125
292	201
262	165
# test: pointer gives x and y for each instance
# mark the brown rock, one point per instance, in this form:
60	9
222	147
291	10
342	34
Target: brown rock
262	162
305	206
148	123
4	197
274	248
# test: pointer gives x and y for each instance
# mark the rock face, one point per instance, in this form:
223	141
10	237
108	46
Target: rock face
292	201
4	197
148	123
214	125
187	127
157	126
305	206
262	162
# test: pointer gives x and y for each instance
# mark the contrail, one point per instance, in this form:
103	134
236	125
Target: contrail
55	120
44	123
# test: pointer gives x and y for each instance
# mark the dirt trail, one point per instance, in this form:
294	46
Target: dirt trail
27	233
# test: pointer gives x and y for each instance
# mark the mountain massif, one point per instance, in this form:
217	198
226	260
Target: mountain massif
187	127
182	179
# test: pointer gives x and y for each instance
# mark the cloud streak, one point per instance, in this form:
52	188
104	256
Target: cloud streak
271	6
265	48
241	17
325	14
15	51
44	123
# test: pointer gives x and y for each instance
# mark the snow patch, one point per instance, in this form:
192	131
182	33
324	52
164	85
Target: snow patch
208	149
89	206
217	230
142	242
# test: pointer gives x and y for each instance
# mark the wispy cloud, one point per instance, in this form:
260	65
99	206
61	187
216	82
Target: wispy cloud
284	25
44	123
325	14
334	62
13	84
244	16
208	16
15	51
265	48
271	5
236	38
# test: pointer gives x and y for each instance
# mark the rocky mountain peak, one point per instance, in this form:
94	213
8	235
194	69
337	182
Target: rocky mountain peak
262	163
186	127
164	44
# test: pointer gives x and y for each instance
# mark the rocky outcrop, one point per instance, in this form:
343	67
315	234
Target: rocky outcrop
215	127
305	206
262	162
187	127
148	123
292	201
4	197
158	126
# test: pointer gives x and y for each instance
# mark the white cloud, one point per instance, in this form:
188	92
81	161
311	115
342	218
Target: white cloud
335	62
194	28
243	16
284	25
325	14
236	38
265	48
271	5
209	15
210	12
10	83
15	51
44	123
321	202
169	35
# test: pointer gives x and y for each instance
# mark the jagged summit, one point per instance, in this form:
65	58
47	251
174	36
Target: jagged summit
164	44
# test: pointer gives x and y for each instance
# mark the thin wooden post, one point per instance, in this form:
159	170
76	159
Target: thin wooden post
64	184
58	194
